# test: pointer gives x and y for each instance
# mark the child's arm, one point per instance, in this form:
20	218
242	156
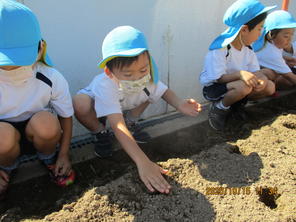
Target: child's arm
63	164
150	173
249	78
290	76
189	106
290	61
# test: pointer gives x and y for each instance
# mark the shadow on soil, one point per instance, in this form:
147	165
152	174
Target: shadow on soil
38	197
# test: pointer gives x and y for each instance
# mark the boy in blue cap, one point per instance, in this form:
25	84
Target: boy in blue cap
231	73
277	35
130	82
29	89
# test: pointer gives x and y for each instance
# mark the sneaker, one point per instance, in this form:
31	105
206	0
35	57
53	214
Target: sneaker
217	117
139	135
62	181
103	145
239	113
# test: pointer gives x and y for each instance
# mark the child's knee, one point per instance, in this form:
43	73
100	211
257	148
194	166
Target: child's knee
270	88
82	104
44	125
9	137
243	90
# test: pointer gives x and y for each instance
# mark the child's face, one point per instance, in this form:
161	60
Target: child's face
135	71
248	37
283	38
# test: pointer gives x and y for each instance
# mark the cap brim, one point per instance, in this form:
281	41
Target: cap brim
266	9
225	38
127	53
289	26
18	56
230	34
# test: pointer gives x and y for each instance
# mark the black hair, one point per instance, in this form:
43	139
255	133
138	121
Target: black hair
255	21
120	62
272	34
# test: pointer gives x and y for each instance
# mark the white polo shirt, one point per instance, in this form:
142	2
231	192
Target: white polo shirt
271	57
226	61
109	99
46	90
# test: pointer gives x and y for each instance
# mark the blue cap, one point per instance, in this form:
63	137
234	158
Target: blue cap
237	15
20	35
126	41
279	19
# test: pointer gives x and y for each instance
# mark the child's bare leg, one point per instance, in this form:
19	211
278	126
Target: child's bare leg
237	90
136	112
266	88
270	74
9	145
283	83
85	112
9	151
44	131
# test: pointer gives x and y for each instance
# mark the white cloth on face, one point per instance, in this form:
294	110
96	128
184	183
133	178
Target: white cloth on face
271	57
218	64
49	91
109	99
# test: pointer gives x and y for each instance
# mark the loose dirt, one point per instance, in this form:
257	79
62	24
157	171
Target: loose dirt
247	173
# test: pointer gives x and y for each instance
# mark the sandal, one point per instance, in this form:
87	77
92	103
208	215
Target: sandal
62	181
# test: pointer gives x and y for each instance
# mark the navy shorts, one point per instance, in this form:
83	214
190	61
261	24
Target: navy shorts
215	92
26	146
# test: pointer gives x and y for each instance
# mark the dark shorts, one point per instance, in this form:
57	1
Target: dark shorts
26	147
215	92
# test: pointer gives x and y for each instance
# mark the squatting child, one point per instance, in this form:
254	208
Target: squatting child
130	82
277	35
231	73
29	89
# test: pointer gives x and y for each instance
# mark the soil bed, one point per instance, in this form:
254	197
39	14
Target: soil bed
247	173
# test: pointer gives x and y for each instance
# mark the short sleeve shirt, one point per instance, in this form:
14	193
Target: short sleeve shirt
46	90
109	99
226	61
271	57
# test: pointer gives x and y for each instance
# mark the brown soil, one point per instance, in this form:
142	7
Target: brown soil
207	170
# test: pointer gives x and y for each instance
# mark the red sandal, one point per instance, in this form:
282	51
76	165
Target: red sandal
62	181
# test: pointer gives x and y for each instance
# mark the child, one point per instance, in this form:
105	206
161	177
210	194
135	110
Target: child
232	73
29	87
289	55
278	34
129	82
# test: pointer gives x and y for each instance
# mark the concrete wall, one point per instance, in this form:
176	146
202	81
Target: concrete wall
178	32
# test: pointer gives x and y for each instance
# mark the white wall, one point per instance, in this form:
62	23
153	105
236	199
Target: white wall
178	32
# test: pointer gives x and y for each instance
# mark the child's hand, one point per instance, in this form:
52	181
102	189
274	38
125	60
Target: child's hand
260	85
4	179
249	78
290	61
150	174
63	165
189	107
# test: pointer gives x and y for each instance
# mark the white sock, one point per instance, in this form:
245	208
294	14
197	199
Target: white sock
220	105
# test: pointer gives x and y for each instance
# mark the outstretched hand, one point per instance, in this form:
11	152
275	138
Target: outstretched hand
151	175
189	107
